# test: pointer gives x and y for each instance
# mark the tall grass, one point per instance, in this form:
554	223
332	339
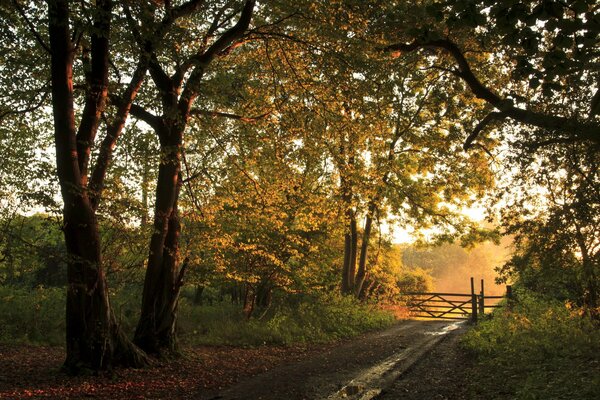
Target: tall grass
312	319
37	316
541	349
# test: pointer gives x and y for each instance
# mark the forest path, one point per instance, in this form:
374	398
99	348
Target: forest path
355	369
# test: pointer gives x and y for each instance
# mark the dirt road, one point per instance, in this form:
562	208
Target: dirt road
356	369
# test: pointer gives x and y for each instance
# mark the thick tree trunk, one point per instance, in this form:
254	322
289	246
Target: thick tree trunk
155	332
93	338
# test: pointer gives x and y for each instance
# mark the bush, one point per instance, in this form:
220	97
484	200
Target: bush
297	319
34	316
542	349
38	317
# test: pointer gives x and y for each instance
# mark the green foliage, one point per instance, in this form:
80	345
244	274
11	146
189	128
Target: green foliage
556	225
32	252
303	319
541	349
32	316
37	317
415	280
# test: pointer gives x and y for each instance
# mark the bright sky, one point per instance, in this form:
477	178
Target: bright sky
406	234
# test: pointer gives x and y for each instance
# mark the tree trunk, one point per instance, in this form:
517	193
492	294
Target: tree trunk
145	184
346	286
590	299
350	252
155	332
93	338
361	273
354	252
198	295
249	300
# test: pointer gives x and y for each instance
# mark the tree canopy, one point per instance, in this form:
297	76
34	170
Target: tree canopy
262	148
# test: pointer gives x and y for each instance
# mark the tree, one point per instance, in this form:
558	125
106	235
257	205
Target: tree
556	223
548	47
177	93
94	339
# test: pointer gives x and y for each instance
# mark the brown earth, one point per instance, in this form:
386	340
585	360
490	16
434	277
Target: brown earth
32	372
442	374
267	372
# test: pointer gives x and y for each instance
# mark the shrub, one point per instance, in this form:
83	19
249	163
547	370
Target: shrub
34	316
297	319
37	317
542	349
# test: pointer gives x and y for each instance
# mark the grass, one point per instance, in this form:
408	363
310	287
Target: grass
36	316
33	316
313	319
541	349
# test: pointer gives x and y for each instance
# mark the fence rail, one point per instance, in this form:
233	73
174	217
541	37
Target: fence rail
456	306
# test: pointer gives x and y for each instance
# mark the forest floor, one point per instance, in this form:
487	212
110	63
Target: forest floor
416	349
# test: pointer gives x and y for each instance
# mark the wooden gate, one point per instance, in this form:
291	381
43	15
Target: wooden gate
459	306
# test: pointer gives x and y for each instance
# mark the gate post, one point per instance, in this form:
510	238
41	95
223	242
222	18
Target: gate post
473	302
482	301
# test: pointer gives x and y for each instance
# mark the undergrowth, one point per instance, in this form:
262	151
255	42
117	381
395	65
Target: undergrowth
539	349
37	316
314	319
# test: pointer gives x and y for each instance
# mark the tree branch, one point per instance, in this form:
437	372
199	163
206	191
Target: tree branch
31	27
582	130
201	61
230	115
493	116
113	132
154	121
98	86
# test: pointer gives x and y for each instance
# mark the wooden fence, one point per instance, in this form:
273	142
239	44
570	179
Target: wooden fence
459	306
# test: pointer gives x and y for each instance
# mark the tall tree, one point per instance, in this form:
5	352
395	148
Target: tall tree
177	86
94	339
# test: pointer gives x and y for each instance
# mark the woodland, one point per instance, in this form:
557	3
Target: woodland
264	155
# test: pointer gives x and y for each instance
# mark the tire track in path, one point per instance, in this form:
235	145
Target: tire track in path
355	369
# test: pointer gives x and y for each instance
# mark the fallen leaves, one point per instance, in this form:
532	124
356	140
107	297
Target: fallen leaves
31	372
